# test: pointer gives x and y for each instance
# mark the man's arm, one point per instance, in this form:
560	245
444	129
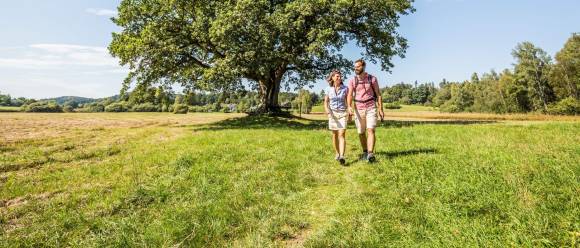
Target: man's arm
379	99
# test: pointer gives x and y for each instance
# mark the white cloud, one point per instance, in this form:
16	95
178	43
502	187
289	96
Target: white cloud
102	12
50	55
63	48
46	70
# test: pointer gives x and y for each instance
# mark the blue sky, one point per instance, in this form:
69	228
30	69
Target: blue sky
58	47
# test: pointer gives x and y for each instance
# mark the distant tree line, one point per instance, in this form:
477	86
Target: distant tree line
535	84
159	99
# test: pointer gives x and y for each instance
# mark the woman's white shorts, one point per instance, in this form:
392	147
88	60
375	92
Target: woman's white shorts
337	120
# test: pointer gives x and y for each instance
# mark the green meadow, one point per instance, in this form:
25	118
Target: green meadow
214	180
9	109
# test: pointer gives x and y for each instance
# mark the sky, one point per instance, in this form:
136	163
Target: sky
59	47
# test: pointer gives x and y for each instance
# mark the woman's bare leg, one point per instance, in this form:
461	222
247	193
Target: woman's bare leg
342	142
335	142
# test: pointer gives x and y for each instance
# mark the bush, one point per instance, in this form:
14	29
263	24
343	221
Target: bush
198	109
68	108
243	107
146	107
449	108
391	106
117	107
180	109
92	108
43	107
567	106
216	107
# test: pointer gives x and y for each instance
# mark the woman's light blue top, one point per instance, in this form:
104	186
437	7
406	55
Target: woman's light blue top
337	99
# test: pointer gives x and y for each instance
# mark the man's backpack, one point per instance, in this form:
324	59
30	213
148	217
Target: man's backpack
369	81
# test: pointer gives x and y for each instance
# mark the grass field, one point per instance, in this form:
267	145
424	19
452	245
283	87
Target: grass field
195	180
9	109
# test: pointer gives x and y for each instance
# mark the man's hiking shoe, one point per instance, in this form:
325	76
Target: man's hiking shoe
336	157
371	158
363	156
342	161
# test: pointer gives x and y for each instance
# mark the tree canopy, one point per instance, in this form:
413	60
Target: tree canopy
213	45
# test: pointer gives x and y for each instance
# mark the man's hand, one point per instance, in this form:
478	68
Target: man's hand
381	114
350	112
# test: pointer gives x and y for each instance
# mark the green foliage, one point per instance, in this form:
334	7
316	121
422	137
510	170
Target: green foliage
9	109
146	107
94	107
68	108
391	106
216	107
532	71
118	107
409	94
565	76
199	108
567	106
5	100
535	84
303	101
180	109
461	98
43	107
212	45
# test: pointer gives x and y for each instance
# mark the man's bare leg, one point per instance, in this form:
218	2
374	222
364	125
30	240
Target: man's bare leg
371	140
363	141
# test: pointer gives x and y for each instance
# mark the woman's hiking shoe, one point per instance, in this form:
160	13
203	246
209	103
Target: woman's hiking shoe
342	161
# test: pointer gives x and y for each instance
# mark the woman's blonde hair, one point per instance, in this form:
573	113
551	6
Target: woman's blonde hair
330	76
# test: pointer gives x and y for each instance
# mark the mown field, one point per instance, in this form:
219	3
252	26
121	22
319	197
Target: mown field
157	179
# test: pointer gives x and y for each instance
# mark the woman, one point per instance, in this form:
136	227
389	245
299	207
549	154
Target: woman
335	108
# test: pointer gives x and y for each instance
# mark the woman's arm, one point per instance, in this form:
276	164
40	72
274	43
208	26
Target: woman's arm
349	99
326	109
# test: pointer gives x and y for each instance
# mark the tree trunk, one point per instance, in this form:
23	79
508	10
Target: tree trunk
269	90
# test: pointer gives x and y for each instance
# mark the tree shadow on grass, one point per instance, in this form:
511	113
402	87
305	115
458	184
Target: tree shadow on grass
410	123
265	122
298	123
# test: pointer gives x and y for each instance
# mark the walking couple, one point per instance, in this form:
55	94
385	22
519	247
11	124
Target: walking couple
364	90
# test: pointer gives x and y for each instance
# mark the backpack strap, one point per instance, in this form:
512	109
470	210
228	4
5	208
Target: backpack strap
369	79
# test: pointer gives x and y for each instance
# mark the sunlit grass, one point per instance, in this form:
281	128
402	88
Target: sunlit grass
201	180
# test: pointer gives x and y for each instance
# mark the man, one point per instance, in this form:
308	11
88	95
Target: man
364	89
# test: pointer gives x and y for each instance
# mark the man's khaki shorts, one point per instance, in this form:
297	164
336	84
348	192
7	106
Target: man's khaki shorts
364	119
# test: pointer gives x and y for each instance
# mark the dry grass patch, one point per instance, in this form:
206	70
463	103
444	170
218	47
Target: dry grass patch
22	126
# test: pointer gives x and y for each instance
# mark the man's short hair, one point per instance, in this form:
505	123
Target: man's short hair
361	61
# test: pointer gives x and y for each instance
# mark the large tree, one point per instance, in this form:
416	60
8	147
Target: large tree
532	70
214	45
566	73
